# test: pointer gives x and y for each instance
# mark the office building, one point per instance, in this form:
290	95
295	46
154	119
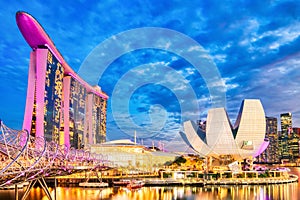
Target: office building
285	136
270	155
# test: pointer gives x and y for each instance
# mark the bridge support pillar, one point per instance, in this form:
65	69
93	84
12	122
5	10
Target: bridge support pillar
16	192
55	185
43	183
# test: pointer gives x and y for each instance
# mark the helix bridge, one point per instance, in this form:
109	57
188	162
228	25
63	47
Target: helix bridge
24	158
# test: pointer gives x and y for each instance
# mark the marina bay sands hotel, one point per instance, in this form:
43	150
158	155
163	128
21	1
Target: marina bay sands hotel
60	105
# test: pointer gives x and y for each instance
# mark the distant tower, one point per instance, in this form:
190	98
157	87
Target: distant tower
286	137
296	136
286	123
270	155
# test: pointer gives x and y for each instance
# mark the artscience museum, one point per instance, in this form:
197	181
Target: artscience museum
246	139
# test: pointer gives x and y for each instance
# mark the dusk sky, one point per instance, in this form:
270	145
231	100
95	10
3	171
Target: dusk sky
162	62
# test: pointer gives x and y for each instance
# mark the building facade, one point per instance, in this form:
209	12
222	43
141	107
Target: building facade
285	136
129	155
96	124
75	95
296	130
270	155
60	105
286	123
288	139
246	139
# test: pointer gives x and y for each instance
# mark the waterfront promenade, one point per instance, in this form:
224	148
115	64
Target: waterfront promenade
194	178
224	181
209	191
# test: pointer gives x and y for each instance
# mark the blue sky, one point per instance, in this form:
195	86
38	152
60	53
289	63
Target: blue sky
253	48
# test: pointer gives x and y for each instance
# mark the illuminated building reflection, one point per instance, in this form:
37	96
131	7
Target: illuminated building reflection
280	191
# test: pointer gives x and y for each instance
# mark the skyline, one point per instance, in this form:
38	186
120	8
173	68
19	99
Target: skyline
254	45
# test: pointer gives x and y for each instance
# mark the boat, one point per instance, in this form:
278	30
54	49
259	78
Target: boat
135	184
93	184
122	182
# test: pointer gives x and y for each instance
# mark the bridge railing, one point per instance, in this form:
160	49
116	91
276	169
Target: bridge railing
24	157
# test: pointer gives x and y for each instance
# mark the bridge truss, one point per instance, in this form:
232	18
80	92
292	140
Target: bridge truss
24	158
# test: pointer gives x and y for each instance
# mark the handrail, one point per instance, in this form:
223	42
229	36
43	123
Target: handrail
34	157
21	151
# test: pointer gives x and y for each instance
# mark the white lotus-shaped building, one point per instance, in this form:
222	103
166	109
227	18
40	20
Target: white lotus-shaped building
246	139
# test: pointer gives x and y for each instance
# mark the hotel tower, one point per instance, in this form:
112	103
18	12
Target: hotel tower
60	105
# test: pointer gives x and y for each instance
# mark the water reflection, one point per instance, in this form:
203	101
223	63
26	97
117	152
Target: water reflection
281	191
264	192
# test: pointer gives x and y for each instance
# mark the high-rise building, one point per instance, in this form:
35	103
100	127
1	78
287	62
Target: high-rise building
283	141
60	105
296	130
286	123
288	140
293	146
75	95
44	95
270	155
96	115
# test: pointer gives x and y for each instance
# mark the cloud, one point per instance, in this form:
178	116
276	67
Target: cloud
256	55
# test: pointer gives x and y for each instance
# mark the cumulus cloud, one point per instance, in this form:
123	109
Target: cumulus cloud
256	54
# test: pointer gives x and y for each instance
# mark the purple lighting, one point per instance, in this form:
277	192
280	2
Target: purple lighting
36	36
263	147
32	30
41	58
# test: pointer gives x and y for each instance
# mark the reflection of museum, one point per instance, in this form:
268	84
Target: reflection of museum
60	106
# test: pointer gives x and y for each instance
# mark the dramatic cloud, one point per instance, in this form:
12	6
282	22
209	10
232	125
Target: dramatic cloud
254	44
